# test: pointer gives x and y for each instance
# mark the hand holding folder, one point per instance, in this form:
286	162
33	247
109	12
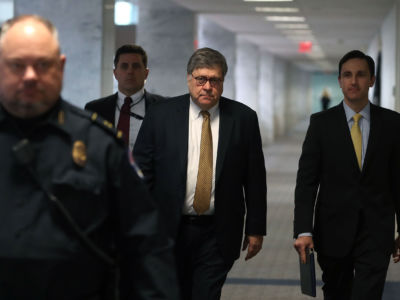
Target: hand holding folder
307	274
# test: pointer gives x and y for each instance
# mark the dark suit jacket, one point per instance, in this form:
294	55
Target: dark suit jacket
105	107
328	163
161	151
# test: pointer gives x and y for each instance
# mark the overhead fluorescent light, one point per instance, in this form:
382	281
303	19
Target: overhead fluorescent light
125	13
292	26
298	38
297	32
285	19
268	0
277	9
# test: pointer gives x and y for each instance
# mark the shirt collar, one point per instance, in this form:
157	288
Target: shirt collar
135	97
365	112
194	110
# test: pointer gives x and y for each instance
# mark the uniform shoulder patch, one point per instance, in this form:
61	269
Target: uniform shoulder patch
106	125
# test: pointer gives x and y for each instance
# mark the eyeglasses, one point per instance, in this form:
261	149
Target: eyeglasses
202	80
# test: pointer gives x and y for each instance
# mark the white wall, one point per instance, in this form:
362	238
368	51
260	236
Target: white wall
388	33
247	72
266	97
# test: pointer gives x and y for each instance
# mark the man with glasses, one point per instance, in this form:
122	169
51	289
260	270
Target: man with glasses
126	108
202	158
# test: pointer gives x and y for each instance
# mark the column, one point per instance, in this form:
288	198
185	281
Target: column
247	72
79	24
210	34
166	31
266	97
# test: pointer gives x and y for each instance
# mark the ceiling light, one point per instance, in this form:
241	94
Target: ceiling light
267	0
125	13
297	32
292	26
285	19
277	9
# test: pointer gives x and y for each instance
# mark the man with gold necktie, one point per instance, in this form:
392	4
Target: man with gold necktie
202	157
348	193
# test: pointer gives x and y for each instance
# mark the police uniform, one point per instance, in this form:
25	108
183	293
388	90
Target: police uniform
79	159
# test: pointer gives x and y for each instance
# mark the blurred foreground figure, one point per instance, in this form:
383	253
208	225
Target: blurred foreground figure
71	200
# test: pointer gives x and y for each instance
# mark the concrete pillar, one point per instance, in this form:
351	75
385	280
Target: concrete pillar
108	48
80	30
210	34
166	31
266	97
247	72
280	95
388	71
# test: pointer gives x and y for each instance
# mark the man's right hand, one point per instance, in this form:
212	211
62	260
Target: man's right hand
301	244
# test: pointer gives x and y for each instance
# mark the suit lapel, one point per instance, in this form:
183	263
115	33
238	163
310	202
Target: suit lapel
181	127
109	107
374	131
225	129
347	141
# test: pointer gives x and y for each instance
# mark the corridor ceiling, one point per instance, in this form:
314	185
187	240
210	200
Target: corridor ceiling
333	26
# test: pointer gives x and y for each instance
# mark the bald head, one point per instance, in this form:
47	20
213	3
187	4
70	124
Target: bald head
31	67
27	19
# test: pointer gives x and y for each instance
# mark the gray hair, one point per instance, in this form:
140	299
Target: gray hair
207	58
11	22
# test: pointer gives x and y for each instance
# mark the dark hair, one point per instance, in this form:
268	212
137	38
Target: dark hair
358	54
130	48
207	58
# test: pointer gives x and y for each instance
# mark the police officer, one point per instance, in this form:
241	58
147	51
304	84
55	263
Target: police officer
71	201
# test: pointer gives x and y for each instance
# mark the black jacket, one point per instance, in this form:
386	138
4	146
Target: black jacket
81	162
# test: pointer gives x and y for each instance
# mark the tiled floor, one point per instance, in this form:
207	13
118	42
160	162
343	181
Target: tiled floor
273	273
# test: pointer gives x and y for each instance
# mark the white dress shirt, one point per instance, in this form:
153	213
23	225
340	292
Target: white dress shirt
138	107
195	125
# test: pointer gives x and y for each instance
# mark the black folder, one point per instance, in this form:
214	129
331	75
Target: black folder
307	274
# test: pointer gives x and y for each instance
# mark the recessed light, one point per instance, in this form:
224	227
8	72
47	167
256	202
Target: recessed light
285	19
267	0
277	9
292	26
297	32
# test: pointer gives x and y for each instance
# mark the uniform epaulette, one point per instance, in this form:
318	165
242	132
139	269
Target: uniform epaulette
108	126
102	123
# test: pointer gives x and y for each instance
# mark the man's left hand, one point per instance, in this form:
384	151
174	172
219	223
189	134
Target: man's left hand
253	243
396	250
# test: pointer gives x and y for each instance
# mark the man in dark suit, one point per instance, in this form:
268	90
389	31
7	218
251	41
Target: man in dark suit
350	167
202	157
131	100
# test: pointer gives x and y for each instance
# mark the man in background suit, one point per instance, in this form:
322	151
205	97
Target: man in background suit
131	100
202	157
350	164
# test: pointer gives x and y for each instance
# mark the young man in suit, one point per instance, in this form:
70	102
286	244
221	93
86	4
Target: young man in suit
126	108
202	157
350	167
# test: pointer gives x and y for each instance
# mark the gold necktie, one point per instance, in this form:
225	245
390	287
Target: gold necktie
202	195
356	137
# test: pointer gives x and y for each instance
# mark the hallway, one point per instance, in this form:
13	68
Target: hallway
273	273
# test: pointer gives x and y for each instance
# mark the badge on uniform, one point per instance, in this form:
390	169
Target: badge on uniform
79	153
